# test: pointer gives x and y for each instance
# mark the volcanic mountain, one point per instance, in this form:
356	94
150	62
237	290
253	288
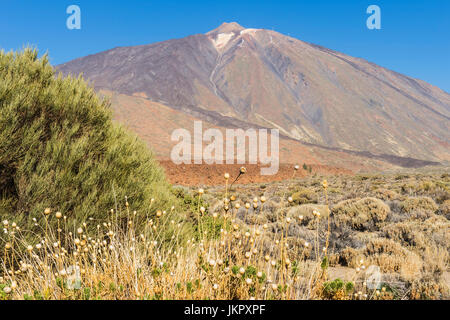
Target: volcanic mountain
318	98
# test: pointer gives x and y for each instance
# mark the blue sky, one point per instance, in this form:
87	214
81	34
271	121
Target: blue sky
414	39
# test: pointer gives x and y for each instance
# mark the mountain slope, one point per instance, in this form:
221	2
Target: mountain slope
263	78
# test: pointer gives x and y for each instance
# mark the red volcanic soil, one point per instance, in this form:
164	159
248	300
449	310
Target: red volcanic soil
203	174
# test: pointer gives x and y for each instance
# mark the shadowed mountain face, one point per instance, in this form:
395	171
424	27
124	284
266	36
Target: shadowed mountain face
256	77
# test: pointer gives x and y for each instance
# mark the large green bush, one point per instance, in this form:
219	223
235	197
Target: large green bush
60	149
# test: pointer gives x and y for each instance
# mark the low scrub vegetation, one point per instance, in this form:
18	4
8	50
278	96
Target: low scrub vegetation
86	213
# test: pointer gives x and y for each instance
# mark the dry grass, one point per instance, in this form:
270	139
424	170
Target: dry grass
260	245
116	263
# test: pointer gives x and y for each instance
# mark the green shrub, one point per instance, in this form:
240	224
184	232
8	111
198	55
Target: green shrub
304	196
337	289
60	149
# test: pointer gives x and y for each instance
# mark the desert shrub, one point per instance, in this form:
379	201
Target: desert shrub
401	177
304	196
429	239
406	233
428	288
420	234
386	194
390	256
360	214
445	209
419	207
306	210
255	219
60	149
408	188
362	177
349	257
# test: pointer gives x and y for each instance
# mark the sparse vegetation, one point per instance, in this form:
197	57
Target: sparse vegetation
86	213
282	256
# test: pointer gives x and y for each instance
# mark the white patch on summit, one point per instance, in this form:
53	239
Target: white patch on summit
251	31
222	39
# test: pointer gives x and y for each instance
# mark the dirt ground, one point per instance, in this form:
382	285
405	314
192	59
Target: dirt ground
196	174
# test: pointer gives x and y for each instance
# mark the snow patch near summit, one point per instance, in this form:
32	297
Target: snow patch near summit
251	31
222	39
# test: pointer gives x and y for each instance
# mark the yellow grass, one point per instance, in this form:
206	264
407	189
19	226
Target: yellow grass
114	262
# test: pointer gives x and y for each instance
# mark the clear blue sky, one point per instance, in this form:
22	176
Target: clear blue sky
414	40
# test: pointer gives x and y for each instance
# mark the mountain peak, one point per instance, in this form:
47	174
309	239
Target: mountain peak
249	78
227	27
